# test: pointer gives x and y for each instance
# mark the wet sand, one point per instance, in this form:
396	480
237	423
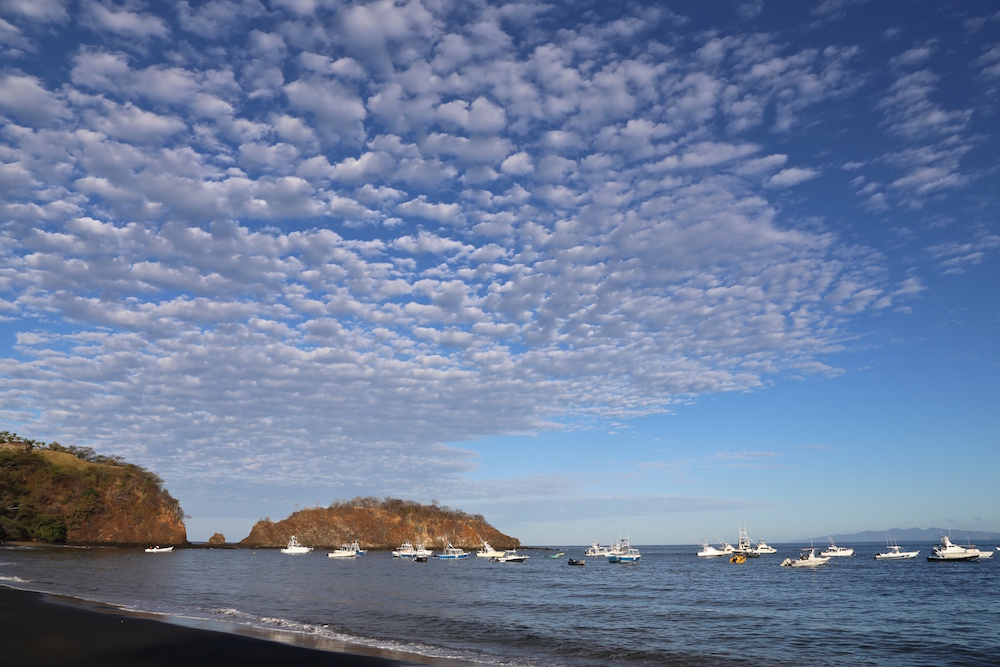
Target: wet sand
41	630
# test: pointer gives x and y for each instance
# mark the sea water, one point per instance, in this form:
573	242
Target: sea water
672	608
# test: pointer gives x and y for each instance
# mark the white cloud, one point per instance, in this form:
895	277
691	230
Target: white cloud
323	223
792	176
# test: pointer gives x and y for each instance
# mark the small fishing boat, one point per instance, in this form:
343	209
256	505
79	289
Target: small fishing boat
946	551
159	550
764	548
295	548
808	558
345	551
486	551
405	550
597	550
583	561
744	545
356	548
834	551
510	556
708	551
452	553
738	558
624	553
895	552
421	554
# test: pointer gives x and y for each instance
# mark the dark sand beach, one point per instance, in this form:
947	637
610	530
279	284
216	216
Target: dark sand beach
38	629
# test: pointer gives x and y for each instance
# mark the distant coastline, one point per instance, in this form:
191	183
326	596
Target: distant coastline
909	535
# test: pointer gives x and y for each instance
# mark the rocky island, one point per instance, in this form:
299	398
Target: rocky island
58	494
379	524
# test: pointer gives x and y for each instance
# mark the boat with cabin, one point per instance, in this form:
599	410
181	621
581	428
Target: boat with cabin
895	552
833	551
510	556
708	551
295	548
452	552
807	558
487	551
947	551
159	550
405	550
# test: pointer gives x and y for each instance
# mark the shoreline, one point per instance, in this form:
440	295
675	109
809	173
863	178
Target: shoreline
46	629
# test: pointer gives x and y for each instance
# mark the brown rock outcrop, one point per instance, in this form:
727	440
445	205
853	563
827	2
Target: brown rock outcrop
217	539
59	497
379	524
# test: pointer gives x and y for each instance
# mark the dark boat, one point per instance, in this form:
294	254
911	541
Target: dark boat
574	561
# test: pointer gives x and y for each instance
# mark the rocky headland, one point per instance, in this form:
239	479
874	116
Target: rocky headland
379	524
56	494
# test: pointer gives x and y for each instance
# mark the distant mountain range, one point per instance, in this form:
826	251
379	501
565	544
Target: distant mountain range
902	535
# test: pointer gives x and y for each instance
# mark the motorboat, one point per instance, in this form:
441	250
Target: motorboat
834	551
708	551
596	550
159	550
808	558
510	556
764	548
583	561
452	553
946	551
895	552
486	551
738	558
405	550
421	554
744	545
625	553
295	548
345	551
356	548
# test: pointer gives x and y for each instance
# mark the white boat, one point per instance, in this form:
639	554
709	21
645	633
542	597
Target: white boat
764	548
808	558
946	551
421	554
744	545
509	556
405	550
345	551
708	551
295	548
159	550
625	553
597	550
834	551
486	551
895	552
355	547
451	553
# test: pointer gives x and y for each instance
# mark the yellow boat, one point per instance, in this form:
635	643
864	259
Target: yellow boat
738	558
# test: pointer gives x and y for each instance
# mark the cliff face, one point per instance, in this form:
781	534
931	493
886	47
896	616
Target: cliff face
379	525
53	496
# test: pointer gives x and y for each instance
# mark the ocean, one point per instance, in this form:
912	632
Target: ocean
672	608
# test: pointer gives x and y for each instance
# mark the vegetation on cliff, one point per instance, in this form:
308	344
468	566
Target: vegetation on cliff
54	493
379	524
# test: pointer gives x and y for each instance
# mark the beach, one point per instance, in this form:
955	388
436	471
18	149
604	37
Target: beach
38	629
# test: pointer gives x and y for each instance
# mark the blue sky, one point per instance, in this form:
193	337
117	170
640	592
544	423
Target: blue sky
585	268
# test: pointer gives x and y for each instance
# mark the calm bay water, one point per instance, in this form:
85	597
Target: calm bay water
671	609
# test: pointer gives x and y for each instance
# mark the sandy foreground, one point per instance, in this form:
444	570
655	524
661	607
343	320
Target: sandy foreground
39	630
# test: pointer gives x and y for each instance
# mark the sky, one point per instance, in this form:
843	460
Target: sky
589	269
